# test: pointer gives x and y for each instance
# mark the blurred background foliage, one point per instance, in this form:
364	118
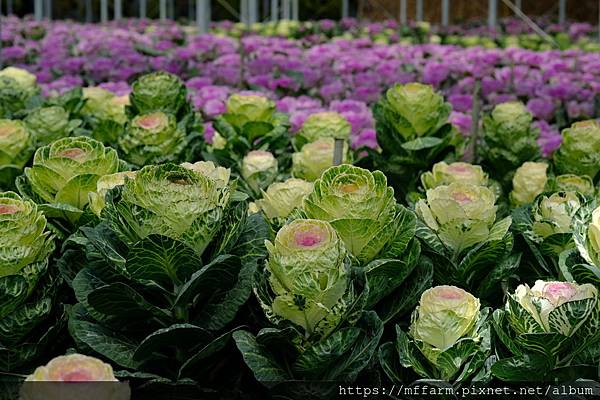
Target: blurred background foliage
461	10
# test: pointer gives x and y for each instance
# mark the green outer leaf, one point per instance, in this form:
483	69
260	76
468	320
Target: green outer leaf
492	283
222	271
115	347
422	143
212	349
184	337
258	359
318	362
524	368
388	359
163	260
363	352
406	296
76	190
384	276
122	302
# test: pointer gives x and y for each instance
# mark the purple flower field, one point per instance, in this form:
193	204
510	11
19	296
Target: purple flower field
343	75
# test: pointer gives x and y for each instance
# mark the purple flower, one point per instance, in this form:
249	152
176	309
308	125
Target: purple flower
367	138
212	108
541	108
462	122
461	102
549	139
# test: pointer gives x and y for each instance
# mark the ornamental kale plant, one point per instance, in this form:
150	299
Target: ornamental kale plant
413	132
546	328
378	233
449	338
31	320
458	226
306	290
64	173
175	249
509	139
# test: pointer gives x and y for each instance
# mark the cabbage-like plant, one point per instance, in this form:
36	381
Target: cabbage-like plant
30	319
17	87
376	230
314	158
249	109
547	327
175	249
458	225
309	276
546	226
583	263
572	183
72	377
64	173
529	181
104	184
417	110
509	139
153	138
553	214
104	114
579	152
444	174
306	290
259	170
250	123
50	123
449	338
102	105
323	125
281	198
413	132
158	91
17	144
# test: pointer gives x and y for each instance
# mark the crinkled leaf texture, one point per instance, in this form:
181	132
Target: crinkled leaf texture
31	321
471	268
279	363
155	306
460	363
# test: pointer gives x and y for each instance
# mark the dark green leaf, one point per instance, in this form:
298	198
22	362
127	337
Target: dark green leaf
258	359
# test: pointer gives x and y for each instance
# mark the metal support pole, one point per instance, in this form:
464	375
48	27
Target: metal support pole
562	11
38	10
162	11
338	151
252	11
274	10
445	12
88	11
295	10
419	16
519	4
403	12
48	9
244	17
103	10
118	10
345	8
287	10
171	9
9	7
203	15
143	8
492	13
